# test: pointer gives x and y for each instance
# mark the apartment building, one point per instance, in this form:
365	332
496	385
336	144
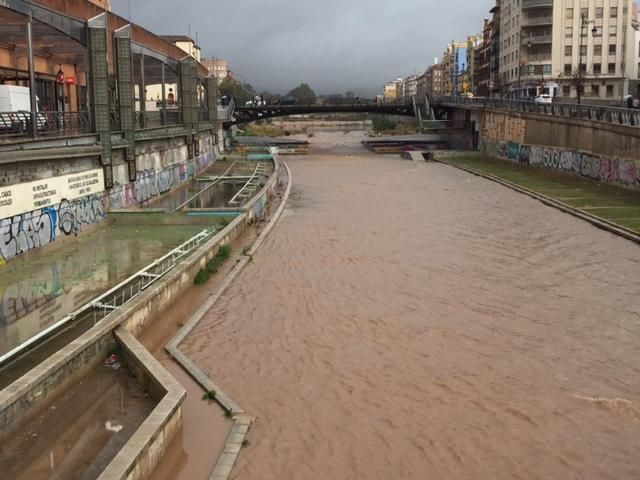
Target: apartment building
568	48
595	48
409	88
454	67
526	40
217	68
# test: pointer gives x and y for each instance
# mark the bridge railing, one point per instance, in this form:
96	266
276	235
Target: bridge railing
597	113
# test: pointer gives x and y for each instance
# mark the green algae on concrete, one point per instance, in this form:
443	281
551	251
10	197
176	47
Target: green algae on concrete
609	202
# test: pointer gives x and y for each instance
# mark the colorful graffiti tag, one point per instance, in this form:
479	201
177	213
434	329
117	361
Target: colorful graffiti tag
621	171
34	229
152	183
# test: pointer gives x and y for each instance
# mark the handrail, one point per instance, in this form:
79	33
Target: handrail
596	113
117	296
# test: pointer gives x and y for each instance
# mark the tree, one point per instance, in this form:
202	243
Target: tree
303	94
232	88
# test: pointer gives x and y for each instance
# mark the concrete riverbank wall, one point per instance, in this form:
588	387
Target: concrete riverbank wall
56	192
597	150
32	393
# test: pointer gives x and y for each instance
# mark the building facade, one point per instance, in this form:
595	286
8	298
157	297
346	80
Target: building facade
482	70
454	67
186	44
568	48
217	68
595	48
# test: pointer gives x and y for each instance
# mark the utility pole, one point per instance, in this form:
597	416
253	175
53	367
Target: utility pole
579	79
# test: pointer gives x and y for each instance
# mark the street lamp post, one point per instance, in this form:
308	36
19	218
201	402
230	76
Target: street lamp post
584	23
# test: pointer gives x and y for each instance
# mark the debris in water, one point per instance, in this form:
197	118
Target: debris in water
112	427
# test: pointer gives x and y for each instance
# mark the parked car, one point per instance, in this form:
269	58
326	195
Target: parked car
544	98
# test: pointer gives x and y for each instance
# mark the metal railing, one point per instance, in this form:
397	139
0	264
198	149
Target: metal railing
597	113
116	297
158	118
48	124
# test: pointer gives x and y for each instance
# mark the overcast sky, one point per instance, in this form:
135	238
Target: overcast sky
334	45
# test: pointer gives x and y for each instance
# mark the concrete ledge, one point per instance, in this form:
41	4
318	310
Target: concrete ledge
143	451
236	438
592	219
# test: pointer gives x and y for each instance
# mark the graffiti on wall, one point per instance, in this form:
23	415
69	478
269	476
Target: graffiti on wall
505	127
152	183
621	171
37	228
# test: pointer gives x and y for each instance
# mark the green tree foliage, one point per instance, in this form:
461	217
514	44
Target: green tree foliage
241	92
303	94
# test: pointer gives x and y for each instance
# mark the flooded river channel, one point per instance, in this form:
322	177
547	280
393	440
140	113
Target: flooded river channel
411	321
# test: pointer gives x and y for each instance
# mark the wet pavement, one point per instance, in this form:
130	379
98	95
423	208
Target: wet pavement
38	289
409	320
81	431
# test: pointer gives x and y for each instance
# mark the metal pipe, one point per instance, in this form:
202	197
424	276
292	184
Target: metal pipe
32	79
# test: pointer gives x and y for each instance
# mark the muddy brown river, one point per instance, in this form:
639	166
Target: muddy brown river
411	321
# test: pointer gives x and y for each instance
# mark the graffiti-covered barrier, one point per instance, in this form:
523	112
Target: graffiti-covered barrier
36	213
599	151
162	165
53	200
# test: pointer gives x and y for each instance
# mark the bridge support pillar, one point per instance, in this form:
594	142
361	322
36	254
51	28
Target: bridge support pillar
124	78
99	90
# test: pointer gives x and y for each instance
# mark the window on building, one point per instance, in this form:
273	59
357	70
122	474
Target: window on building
611	68
569	14
614	12
566	90
583	50
567	69
568	32
568	50
597	50
612	49
583	68
599	12
609	90
584	12
597	68
612	31
595	90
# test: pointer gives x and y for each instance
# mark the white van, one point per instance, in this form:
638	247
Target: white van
15	108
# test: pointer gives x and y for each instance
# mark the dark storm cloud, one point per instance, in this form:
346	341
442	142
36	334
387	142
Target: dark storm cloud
334	45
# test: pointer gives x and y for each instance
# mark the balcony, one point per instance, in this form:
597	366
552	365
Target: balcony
537	4
539	57
536	40
537	21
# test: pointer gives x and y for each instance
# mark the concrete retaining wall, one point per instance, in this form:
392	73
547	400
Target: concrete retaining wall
600	151
30	394
162	166
140	455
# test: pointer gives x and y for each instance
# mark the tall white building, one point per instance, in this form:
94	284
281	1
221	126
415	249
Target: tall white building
560	46
595	48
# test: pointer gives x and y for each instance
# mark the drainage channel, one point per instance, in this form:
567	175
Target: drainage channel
30	353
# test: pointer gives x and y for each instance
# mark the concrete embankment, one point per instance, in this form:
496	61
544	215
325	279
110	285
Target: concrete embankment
34	392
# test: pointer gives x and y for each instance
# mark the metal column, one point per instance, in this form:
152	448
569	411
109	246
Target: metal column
99	88
124	76
32	79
